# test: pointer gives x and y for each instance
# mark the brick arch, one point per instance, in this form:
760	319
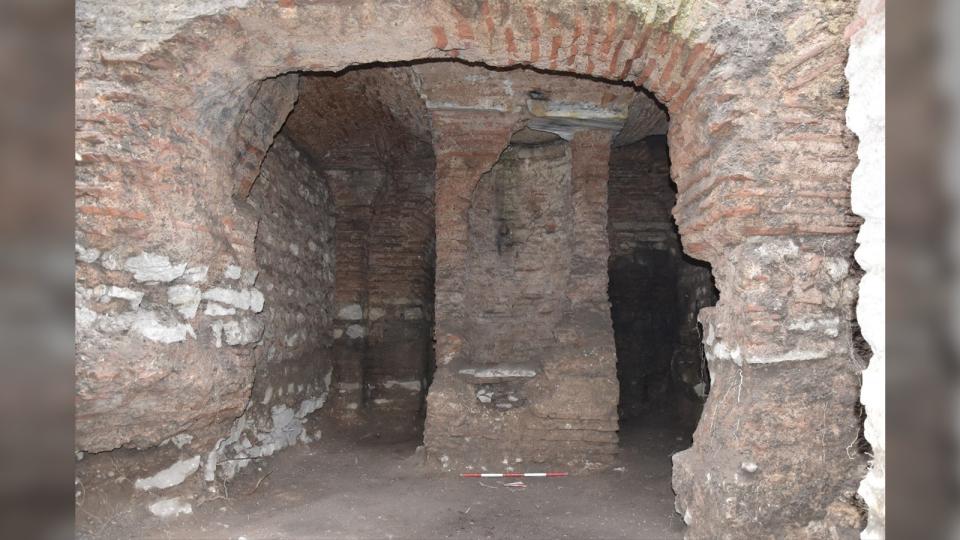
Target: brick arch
761	158
242	47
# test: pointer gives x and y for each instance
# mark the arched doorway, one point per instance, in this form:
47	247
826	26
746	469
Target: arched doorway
761	159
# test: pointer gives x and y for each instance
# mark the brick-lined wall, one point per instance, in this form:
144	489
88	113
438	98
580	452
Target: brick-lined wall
641	197
399	312
519	257
527	346
364	132
644	260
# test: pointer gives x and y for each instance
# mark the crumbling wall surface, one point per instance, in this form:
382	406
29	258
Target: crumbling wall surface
146	330
774	453
865	116
799	291
689	370
520	256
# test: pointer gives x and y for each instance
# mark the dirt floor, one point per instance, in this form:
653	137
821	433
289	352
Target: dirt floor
371	488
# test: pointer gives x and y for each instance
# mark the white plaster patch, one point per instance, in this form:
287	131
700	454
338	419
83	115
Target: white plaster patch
171	476
233	272
789	356
246	299
214	309
182	439
196	274
217	329
152	267
267	396
829	326
84	317
409	385
242	332
186	298
123	293
777	250
308	406
166	508
350	312
376	313
837	268
355	331
499	372
148	325
412	313
87	255
249	277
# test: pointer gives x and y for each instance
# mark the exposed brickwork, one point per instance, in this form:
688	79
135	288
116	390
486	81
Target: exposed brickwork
760	154
531	255
641	198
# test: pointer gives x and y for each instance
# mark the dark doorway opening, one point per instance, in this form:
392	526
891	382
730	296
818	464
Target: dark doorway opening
655	294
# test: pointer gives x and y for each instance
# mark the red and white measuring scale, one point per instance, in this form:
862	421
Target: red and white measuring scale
514	475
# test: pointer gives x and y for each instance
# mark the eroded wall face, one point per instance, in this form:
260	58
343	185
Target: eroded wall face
519	259
166	330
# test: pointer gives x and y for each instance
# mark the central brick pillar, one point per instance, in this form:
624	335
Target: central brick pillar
526	362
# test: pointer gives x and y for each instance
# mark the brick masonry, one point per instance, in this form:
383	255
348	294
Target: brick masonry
760	153
367	133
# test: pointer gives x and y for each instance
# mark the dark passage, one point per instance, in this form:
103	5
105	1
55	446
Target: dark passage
655	292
